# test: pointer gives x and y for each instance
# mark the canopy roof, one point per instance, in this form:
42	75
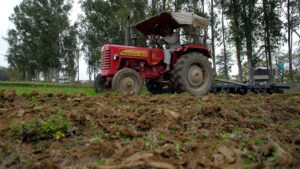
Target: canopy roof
172	20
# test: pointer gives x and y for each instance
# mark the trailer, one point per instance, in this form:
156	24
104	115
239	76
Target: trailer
227	86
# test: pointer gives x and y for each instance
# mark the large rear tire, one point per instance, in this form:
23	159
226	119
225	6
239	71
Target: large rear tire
193	73
127	80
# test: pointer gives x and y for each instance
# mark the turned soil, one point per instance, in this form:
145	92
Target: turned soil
127	131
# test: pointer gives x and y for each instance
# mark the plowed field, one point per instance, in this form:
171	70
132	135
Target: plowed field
127	131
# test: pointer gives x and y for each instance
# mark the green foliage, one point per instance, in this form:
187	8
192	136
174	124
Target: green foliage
223	136
258	141
56	126
205	135
33	101
149	142
161	137
35	42
43	144
295	123
178	150
105	22
4	74
101	161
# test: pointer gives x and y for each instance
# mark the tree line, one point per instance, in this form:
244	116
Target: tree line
246	33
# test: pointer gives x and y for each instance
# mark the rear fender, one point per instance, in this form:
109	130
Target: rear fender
193	48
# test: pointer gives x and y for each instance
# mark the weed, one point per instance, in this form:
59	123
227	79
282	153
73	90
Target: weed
258	141
190	142
172	129
214	147
161	138
58	135
101	161
51	127
178	150
116	101
295	123
149	142
98	138
223	137
68	146
88	118
33	101
16	127
43	144
205	135
246	164
142	109
254	119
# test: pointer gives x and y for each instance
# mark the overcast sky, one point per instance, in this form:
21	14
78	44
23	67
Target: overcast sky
7	8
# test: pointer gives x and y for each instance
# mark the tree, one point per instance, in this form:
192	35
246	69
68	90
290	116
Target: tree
70	51
34	43
236	33
248	16
293	23
212	26
100	25
271	34
4	74
225	57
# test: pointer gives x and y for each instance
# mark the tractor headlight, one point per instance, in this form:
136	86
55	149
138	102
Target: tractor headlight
116	56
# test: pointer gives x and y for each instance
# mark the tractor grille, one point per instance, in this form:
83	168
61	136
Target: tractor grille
105	60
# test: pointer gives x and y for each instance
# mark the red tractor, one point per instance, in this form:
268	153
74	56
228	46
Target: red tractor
128	68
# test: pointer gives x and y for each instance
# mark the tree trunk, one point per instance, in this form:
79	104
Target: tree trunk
237	39
78	67
224	48
267	41
212	22
248	35
289	43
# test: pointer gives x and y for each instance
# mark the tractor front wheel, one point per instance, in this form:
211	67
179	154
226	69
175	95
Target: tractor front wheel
100	83
127	80
193	73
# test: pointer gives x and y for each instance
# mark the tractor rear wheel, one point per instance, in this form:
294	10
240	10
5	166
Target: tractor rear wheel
127	80
99	83
193	73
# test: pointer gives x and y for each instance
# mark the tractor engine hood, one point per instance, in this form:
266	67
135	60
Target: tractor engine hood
173	20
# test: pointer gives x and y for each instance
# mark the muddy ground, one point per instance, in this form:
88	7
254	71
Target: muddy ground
125	131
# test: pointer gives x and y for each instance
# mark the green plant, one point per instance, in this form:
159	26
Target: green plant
223	136
16	127
33	101
161	137
295	123
205	134
43	144
148	142
214	147
68	146
101	161
258	141
246	164
55	126
178	150
88	118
